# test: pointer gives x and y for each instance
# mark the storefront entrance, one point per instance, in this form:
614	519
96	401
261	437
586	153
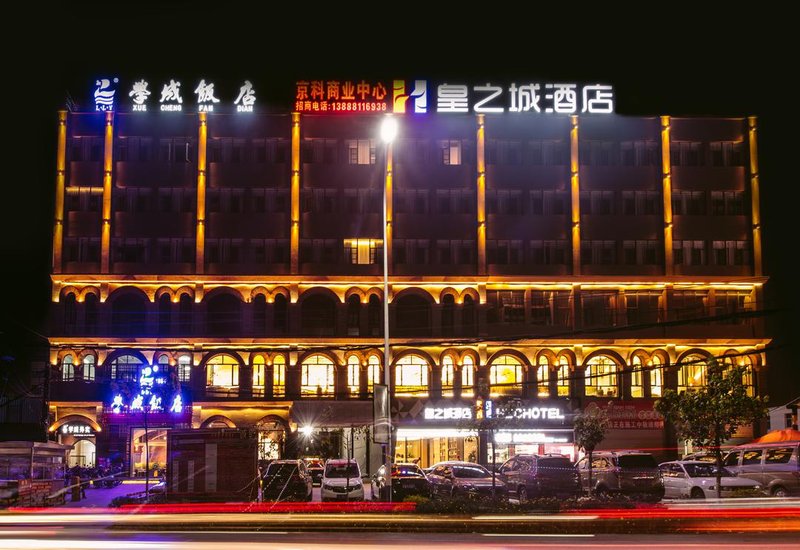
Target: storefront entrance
82	454
429	446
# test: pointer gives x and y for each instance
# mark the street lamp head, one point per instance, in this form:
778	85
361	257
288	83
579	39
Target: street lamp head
388	129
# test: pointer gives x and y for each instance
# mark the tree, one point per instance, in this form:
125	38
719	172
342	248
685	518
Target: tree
590	429
711	415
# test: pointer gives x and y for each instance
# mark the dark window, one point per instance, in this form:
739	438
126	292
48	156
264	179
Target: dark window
448	315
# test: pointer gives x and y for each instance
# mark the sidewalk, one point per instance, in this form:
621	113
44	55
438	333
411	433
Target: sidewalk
101	498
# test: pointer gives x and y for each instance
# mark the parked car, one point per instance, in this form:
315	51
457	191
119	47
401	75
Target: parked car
341	480
316	467
626	472
702	456
286	480
775	466
456	478
159	488
697	479
407	480
539	475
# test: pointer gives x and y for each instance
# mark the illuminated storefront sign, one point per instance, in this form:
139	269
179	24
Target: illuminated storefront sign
448	413
76	428
104	93
490	410
171	99
205	96
139	93
155	390
334	96
561	98
630	415
523	437
246	99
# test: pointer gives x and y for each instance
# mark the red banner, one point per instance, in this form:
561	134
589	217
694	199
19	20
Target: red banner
629	415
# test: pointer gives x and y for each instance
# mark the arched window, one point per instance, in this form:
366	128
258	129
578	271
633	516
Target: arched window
279	375
222	376
411	376
185	314
692	373
467	376
353	375
637	384
89	368
468	317
163	361
125	367
413	316
601	376
316	376
562	384
373	372
374	316
224	315
656	376
448	375
259	369
164	314
505	376
90	306
448	315
184	368
543	377
259	315
67	369
353	315
280	317
70	314
318	315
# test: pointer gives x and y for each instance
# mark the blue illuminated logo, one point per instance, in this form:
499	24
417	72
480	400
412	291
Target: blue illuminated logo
104	94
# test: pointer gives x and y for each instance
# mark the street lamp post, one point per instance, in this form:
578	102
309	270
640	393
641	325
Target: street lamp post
388	133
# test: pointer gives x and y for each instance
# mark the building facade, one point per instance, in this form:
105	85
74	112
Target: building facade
570	262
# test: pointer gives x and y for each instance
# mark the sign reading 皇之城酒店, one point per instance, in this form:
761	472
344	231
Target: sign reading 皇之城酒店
359	96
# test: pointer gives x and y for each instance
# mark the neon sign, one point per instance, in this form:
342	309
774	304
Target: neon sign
524	413
155	390
448	413
104	94
334	96
76	429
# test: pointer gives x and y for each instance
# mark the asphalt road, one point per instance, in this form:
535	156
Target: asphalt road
66	538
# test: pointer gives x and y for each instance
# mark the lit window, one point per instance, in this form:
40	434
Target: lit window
505	376
67	369
411	375
316	376
279	376
88	368
353	375
692	374
259	376
467	377
361	151
656	377
223	372
125	367
637	386
543	377
362	251
747	376
448	375
451	152
184	368
601	376
563	377
373	372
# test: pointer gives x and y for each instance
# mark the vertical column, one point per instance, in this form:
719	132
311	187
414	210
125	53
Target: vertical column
389	193
666	175
754	196
295	229
108	165
200	236
575	189
61	177
481	192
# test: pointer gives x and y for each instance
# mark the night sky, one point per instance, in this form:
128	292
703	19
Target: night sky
679	60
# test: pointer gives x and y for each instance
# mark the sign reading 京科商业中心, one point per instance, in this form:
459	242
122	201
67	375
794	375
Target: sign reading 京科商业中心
346	96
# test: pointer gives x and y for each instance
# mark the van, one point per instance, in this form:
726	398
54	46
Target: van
775	466
539	475
625	472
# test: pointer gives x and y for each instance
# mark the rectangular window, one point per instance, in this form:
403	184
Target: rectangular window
451	152
278	379
599	308
363	251
642	307
551	307
688	304
506	306
360	151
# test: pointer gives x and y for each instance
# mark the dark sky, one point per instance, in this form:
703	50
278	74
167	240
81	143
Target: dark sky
678	60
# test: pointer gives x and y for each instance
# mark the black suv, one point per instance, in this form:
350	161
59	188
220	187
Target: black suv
539	475
627	472
286	480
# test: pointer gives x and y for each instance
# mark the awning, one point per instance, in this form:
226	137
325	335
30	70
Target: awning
778	436
334	414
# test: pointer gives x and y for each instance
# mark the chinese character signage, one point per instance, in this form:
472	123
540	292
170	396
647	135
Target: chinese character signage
156	390
630	415
345	96
76	428
359	96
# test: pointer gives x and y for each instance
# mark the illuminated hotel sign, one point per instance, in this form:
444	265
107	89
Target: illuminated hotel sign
524	413
75	428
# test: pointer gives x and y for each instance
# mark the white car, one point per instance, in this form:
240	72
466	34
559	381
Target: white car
341	480
697	479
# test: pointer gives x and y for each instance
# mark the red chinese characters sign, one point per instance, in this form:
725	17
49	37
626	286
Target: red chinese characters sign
334	96
630	415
